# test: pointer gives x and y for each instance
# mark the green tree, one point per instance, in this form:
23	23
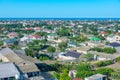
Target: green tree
16	43
83	67
83	74
64	75
51	49
83	70
89	56
108	50
56	75
41	33
43	57
62	46
116	75
1	60
118	59
28	52
64	31
1	43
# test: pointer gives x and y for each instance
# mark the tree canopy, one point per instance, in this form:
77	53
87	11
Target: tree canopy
51	49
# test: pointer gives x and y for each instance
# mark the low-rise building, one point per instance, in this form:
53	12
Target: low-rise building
97	77
103	33
10	41
113	38
52	36
25	64
72	73
104	56
12	35
72	44
9	71
69	55
81	49
115	45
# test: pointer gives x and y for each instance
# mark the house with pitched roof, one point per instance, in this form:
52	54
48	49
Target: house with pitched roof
81	49
27	66
69	55
97	77
9	71
113	38
10	41
12	35
72	44
52	36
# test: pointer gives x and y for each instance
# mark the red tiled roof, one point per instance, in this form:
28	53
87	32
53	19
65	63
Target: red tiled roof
103	32
36	36
13	34
28	28
3	29
77	79
37	28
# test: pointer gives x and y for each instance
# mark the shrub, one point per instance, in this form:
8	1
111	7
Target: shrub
118	59
103	63
105	71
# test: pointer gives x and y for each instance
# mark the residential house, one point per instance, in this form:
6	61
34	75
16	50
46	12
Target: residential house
104	56
81	49
113	38
25	64
61	39
101	29
12	35
95	44
52	43
47	30
115	45
28	29
9	71
80	26
72	44
26	39
97	77
72	73
69	55
3	29
103	33
52	36
2	37
77	79
29	38
10	41
37	37
95	39
37	29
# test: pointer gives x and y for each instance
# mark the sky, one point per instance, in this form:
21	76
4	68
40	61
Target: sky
60	8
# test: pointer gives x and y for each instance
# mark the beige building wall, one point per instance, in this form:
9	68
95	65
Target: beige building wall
3	58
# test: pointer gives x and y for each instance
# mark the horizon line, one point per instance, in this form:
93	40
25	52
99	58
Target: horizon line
55	18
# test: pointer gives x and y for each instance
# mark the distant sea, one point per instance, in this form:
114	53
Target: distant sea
59	18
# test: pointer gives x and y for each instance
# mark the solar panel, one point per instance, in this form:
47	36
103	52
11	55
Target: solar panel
114	44
73	54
